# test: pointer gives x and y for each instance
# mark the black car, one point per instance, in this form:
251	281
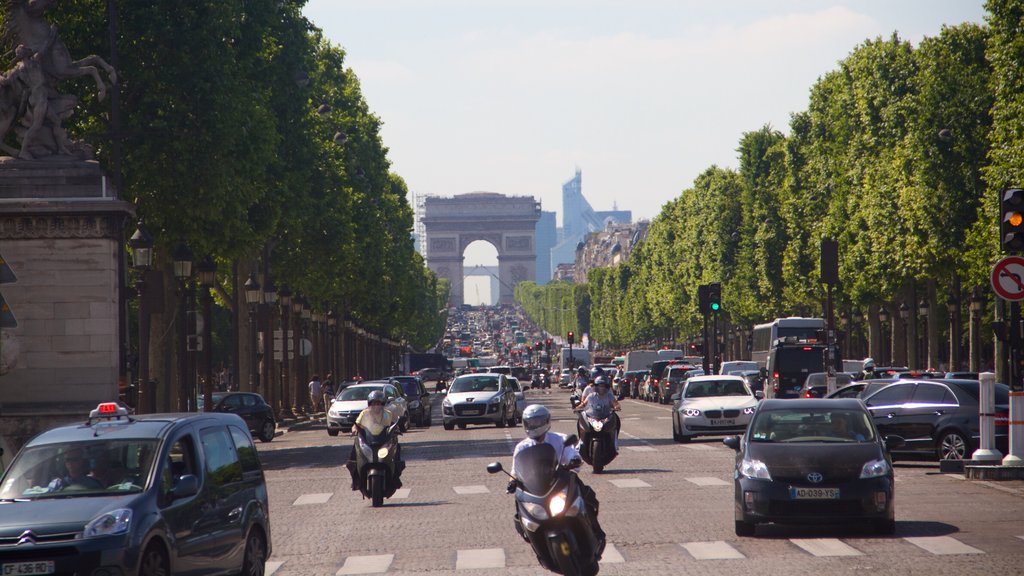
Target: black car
430	374
419	408
937	418
150	494
861	388
815	461
251	407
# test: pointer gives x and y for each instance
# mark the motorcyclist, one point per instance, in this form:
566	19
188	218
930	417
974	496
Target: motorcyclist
601	401
537	423
869	369
375	418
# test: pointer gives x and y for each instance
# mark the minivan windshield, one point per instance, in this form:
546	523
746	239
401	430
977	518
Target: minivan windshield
94	467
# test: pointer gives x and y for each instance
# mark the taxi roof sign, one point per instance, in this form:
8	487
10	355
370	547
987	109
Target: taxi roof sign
108	410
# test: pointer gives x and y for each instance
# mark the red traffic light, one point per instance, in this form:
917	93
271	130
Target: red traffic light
571	337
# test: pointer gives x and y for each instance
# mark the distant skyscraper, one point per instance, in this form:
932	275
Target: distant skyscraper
578	219
545	239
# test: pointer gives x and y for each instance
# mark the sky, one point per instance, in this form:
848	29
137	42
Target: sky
512	96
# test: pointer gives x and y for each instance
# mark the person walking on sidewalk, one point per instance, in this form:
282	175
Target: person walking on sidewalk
328	391
315	393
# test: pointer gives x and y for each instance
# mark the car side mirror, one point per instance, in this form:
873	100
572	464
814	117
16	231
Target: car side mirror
893	442
187	485
674	397
763	372
759	394
494	467
732	442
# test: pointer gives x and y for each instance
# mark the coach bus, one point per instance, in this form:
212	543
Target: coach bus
766	334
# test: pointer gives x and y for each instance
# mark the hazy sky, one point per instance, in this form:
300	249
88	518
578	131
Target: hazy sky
641	95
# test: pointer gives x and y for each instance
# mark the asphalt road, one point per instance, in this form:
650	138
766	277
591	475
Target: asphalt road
667	509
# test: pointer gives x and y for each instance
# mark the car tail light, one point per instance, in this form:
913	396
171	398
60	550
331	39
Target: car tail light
807	394
775	375
1002	418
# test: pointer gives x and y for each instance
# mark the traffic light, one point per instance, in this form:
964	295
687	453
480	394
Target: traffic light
714	297
702	298
547	344
1011	218
571	337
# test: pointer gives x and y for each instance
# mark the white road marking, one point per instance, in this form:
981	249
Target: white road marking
717	550
708	481
942	545
630	483
401	493
642	448
271	566
699	447
663	417
480	558
306	499
611	555
477	489
826	547
366	564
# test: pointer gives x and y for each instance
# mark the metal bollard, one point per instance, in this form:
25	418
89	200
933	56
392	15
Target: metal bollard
987	415
1016	426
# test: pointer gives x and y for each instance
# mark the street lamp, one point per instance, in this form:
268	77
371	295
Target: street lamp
924	348
953	306
252	298
296	344
142	258
976	307
182	272
883	320
332	340
286	299
207	277
269	301
856	317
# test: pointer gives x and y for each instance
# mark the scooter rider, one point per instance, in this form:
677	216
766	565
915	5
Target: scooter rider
601	400
537	423
375	418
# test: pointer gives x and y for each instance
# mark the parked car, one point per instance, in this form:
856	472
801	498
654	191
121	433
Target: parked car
479	399
249	406
147	494
816	384
520	394
712	406
417	397
815	461
352	400
937	418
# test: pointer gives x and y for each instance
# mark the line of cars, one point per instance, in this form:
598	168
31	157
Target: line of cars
405	396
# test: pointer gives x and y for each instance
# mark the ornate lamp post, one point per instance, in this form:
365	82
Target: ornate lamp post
307	315
269	301
142	259
332	341
297	305
182	271
953	306
252	299
911	346
207	277
856	345
886	328
924	348
286	300
977	306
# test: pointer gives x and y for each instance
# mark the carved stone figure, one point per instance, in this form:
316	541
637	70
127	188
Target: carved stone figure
28	91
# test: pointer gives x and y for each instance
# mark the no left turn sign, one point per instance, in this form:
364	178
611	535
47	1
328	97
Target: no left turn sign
1008	278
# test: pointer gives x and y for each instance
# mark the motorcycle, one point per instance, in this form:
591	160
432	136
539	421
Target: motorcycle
551	513
597	431
574	398
378	464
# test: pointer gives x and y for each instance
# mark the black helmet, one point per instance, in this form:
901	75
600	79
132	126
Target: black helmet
375	396
582	371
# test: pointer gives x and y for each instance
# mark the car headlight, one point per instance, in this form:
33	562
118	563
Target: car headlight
755	469
446	403
691	412
874	469
383	452
109	523
557	504
414	404
748	411
334	412
495	400
535	510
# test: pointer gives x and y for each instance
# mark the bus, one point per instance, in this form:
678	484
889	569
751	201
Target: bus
765	335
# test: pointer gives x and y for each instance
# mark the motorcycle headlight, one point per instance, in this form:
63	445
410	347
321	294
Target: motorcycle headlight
755	469
382	453
557	504
109	523
874	469
535	510
692	412
597	425
748	411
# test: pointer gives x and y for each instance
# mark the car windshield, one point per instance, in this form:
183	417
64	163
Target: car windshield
475	384
357	392
711	388
811	425
410	388
93	467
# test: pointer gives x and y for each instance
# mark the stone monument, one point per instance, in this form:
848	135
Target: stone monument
61	239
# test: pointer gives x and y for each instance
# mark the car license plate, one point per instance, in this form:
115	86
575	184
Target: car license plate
813	493
471	412
723	422
43	567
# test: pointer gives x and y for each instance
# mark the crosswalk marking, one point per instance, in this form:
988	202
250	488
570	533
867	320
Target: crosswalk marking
630	483
717	550
611	555
642	448
708	481
307	499
271	567
476	489
480	559
366	564
942	545
663	417
826	547
401	493
698	447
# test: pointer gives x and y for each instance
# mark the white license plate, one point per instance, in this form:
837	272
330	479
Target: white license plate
470	412
814	493
44	567
723	422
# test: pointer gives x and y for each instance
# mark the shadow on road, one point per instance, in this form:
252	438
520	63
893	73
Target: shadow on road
904	529
415	504
613	471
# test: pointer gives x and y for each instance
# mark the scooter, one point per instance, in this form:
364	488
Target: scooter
574	398
598	438
551	513
378	463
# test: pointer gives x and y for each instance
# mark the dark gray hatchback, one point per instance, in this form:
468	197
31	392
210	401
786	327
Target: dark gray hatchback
149	495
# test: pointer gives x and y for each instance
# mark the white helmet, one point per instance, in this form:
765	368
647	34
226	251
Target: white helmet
536	421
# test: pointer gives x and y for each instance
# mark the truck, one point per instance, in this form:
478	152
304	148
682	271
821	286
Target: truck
413	361
640	360
580	357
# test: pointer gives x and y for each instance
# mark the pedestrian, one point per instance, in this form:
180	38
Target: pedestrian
315	393
328	390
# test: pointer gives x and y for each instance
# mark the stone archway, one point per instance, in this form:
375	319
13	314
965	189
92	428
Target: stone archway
507	222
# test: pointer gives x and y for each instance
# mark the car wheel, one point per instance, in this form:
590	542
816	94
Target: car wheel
501	422
675	433
403	424
953	446
267	431
154	561
885	527
255	558
462	426
449	426
332	432
745	528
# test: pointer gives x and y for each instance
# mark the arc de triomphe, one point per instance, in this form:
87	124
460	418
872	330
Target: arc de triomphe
509	223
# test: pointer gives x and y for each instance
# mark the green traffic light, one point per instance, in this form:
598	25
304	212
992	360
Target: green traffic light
715	306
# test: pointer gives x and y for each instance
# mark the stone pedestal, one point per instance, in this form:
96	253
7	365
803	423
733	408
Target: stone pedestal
61	235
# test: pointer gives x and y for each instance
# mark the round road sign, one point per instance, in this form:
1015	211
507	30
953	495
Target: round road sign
1008	278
